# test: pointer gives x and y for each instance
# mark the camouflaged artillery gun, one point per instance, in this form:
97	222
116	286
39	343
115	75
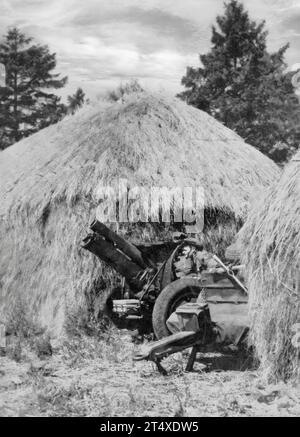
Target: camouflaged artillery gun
163	297
200	326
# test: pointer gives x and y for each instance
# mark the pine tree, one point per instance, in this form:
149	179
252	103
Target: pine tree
26	102
244	86
76	101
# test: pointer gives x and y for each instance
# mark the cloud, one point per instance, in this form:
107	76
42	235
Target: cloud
147	30
292	21
155	19
100	43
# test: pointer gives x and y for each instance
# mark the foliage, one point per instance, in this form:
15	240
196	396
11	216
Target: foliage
27	105
130	87
243	85
76	100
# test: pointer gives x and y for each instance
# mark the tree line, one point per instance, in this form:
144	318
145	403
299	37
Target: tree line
27	99
239	82
245	87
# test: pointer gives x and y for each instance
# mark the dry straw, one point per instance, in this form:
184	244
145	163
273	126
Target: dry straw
48	183
271	236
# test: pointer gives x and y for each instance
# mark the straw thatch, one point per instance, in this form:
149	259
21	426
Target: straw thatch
48	184
271	236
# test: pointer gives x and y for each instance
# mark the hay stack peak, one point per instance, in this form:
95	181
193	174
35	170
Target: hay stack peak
148	139
49	180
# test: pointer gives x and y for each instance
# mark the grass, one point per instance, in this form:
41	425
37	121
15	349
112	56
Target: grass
80	319
89	376
91	373
24	333
20	320
103	381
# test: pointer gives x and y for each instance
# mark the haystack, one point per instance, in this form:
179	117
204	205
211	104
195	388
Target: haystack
271	237
48	184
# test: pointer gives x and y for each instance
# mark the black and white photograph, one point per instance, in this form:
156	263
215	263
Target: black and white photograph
149	211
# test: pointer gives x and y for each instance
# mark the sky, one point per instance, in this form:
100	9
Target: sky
102	43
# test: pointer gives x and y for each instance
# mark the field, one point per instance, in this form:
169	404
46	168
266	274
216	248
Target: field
89	376
208	152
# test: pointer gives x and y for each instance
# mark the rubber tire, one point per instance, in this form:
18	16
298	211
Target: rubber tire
165	300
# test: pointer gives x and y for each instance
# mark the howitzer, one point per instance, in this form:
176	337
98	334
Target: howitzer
154	287
138	263
196	329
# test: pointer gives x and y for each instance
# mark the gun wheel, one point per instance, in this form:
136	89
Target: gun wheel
172	296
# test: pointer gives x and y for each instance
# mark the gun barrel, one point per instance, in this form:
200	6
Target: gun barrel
127	248
107	252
